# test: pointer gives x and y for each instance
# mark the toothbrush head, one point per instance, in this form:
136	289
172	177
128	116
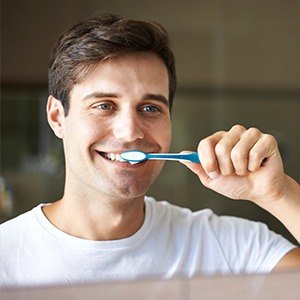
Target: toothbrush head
134	156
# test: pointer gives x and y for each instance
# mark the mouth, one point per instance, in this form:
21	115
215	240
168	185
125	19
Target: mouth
112	156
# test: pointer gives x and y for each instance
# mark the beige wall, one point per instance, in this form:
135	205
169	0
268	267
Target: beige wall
230	43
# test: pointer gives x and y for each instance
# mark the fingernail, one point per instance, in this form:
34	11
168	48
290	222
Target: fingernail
213	175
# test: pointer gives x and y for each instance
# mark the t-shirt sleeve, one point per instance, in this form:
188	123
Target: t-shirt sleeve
249	247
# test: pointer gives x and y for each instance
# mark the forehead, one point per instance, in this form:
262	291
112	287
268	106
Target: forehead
133	73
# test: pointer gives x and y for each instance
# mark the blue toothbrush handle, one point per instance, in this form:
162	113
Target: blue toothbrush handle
192	157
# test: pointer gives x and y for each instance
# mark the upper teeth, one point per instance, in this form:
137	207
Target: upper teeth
113	156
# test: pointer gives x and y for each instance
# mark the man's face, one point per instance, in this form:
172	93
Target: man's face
121	105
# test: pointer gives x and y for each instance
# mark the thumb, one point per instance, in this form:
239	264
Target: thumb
197	169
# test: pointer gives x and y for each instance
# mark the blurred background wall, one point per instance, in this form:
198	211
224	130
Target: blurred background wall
237	62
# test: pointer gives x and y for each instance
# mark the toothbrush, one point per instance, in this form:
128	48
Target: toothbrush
136	156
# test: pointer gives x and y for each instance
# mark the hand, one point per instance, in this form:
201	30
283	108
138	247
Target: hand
241	164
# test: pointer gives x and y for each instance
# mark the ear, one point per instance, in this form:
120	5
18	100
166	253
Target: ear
56	116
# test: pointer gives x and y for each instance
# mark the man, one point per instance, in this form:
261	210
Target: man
111	84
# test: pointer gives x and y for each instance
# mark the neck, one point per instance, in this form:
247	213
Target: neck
97	219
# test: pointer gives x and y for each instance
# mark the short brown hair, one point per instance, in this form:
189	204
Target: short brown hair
104	36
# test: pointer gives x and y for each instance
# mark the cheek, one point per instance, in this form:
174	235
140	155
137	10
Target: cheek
162	135
84	131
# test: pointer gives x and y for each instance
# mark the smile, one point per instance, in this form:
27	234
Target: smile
112	156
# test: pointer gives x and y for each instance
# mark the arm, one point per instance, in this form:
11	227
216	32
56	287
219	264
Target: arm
288	212
246	164
287	208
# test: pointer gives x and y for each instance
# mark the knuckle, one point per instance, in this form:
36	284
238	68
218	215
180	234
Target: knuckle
205	143
254	132
221	149
255	154
236	154
210	141
238	128
220	132
270	139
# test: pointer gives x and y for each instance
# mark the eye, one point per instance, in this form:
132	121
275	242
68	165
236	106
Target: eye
150	109
104	106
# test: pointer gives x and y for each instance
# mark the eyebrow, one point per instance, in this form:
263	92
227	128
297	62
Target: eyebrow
100	95
157	97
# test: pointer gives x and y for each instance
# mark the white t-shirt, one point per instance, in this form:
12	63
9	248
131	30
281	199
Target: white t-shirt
172	242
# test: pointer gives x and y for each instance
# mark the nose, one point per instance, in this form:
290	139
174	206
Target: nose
127	126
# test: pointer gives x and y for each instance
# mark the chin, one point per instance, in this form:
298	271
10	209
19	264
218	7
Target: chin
128	190
131	191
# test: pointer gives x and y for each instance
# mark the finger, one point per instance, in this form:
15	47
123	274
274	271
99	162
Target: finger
208	158
224	148
198	170
240	152
264	148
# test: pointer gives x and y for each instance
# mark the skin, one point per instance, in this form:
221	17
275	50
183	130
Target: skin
104	200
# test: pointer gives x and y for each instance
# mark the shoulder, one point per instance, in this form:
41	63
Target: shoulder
226	229
16	222
14	230
249	246
240	229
